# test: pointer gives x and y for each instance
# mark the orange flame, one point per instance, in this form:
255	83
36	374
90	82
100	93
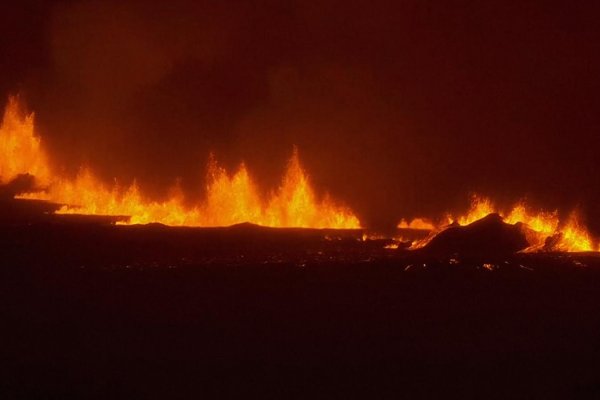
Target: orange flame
422	224
538	226
230	199
575	236
571	235
480	207
234	198
20	149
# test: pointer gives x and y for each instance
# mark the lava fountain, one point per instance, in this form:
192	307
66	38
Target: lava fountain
544	230
231	198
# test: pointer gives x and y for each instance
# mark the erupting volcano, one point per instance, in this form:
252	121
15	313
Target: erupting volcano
543	230
234	198
299	199
230	198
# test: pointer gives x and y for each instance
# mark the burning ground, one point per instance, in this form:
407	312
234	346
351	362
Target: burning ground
271	199
105	292
230	198
100	300
234	198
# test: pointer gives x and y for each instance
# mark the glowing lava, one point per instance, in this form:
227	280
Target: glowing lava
233	198
543	230
421	224
20	149
230	198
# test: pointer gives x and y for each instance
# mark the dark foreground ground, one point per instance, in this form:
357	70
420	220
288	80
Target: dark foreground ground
94	311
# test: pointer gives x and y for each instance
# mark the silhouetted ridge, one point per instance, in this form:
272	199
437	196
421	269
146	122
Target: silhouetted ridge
20	184
489	236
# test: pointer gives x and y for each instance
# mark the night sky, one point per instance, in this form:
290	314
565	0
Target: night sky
399	108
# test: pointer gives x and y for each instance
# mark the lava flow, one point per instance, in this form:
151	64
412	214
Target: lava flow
233	198
543	230
230	198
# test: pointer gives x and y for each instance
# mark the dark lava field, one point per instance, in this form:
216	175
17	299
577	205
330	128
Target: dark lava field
93	310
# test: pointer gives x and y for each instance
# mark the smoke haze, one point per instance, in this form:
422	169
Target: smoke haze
398	108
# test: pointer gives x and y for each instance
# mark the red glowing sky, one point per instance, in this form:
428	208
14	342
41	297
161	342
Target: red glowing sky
399	108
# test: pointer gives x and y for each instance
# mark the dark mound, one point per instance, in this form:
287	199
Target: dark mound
488	237
24	212
20	184
14	211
